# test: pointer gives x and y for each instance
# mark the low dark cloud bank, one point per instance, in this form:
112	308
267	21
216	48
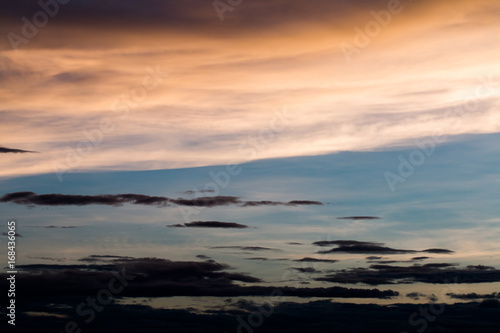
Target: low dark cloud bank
30	198
312	317
153	277
440	273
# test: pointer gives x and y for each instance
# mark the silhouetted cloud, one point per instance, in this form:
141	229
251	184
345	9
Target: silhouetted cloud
314	316
11	150
440	273
438	251
202	256
358	247
104	258
15	234
47	258
415	295
210	224
351	246
153	277
473	296
308	259
359	218
192	192
490	304
30	198
246	248
419	258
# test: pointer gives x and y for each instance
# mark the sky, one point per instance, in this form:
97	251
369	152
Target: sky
241	166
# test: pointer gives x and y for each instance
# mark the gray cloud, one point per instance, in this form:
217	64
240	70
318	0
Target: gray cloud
31	198
11	150
440	273
210	224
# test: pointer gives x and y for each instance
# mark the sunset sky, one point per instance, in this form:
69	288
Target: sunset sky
336	151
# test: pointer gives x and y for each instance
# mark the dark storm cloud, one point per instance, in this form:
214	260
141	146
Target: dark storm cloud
153	277
11	150
357	247
358	218
210	224
31	198
440	273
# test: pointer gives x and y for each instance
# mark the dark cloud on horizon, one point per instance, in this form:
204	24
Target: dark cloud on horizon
153	277
209	224
31	198
323	316
357	247
11	150
439	273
